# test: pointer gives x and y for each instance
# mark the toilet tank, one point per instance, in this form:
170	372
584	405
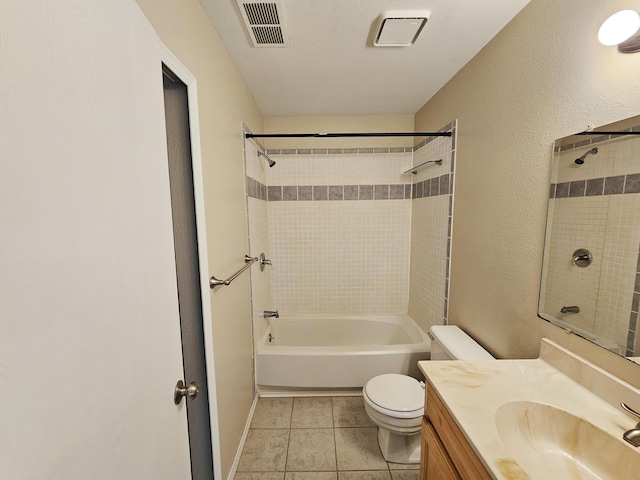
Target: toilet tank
448	342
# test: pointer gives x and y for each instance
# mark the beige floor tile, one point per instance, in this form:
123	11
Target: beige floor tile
311	476
259	476
264	451
312	412
357	449
350	412
365	475
405	474
272	413
311	450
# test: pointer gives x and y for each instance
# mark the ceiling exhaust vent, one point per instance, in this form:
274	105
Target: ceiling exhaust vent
263	21
397	28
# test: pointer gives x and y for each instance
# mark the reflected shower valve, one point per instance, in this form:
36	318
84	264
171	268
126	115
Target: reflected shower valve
582	258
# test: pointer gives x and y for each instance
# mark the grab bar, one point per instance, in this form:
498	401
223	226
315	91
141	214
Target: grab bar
214	282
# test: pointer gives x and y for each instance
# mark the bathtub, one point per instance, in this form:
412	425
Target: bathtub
338	352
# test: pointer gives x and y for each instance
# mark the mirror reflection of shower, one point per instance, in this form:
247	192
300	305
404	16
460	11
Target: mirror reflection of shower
580	160
269	161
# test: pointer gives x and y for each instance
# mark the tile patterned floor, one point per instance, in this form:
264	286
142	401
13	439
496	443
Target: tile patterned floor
315	438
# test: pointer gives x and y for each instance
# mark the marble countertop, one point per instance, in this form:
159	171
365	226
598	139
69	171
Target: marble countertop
474	390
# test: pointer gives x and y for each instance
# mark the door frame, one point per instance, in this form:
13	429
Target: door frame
171	61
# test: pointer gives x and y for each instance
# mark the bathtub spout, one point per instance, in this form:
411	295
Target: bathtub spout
571	309
271	314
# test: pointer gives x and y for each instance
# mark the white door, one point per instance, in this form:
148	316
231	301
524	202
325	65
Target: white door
89	325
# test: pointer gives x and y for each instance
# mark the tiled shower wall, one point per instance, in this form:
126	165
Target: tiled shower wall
258	241
349	232
596	206
339	231
431	224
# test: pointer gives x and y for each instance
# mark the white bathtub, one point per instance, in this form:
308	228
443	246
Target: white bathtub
338	352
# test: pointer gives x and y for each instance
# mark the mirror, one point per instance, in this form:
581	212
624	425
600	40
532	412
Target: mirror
590	281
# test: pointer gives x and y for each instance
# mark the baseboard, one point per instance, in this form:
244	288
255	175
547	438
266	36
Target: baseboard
265	391
243	439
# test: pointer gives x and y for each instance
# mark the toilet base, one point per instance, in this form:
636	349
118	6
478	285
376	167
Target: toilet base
398	448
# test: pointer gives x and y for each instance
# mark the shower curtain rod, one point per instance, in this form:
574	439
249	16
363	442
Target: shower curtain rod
608	133
335	135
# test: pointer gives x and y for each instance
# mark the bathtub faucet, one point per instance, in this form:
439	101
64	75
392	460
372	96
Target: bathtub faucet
271	314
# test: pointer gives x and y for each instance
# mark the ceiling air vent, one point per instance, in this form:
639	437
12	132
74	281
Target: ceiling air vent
396	28
263	21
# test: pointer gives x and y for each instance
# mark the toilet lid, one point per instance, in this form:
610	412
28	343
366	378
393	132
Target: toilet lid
397	393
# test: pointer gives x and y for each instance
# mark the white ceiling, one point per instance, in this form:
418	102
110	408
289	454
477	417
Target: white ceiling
329	67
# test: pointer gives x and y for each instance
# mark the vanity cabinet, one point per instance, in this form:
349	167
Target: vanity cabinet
446	454
434	461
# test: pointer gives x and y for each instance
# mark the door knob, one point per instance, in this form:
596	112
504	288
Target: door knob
181	391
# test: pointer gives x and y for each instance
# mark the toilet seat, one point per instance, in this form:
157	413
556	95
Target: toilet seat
397	396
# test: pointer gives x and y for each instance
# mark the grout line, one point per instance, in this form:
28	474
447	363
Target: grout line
335	442
286	456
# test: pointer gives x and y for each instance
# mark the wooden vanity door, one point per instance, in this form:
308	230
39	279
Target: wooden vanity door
434	461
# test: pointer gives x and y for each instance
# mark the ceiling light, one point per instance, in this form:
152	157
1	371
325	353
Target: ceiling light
619	29
395	28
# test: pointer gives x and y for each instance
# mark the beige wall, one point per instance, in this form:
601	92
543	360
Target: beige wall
224	102
544	76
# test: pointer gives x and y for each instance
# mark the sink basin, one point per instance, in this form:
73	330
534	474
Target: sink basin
550	443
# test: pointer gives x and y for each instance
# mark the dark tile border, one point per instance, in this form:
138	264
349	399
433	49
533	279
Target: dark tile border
616	185
256	189
338	151
594	140
433	187
447	128
302	193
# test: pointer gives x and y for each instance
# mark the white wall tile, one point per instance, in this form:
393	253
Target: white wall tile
340	257
343	169
351	257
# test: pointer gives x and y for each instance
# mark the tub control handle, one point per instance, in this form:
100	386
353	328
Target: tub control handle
582	258
264	261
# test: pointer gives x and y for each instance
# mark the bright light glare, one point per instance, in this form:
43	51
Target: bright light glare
619	27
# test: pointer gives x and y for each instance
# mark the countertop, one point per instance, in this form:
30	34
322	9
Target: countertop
472	391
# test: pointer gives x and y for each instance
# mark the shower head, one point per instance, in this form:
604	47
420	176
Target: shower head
593	151
269	161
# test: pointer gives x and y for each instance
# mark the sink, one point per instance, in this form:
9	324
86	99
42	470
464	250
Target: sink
550	443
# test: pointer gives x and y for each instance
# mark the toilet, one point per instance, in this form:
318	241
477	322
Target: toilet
395	403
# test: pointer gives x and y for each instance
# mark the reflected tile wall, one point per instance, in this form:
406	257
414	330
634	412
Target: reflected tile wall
596	206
